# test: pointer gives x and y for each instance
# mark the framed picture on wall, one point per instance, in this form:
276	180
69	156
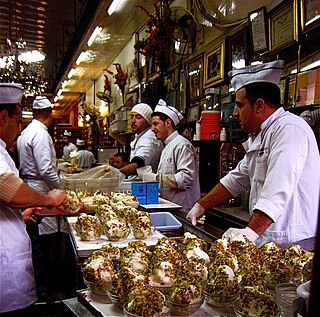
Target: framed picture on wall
310	14
214	65
283	25
237	50
195	77
193	113
258	24
132	71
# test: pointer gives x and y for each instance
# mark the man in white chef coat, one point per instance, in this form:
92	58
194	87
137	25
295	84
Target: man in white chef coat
145	148
38	169
17	284
177	172
85	158
281	165
68	145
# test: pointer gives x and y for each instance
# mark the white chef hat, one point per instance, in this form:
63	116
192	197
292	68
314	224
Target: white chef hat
41	102
170	111
144	110
10	93
268	72
66	133
80	142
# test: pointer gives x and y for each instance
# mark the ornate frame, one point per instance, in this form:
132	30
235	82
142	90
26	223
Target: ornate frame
214	65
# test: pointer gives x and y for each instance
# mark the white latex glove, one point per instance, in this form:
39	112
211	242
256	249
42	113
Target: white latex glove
63	166
195	215
149	177
231	233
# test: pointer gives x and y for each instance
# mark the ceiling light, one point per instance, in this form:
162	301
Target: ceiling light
81	57
32	57
26	114
59	92
71	72
114	6
96	31
310	66
55	99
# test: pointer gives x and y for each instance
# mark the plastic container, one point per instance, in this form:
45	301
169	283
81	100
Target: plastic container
223	135
198	132
210	125
303	291
286	293
165	221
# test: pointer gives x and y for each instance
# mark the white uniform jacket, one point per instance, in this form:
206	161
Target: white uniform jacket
17	285
146	146
282	166
85	159
180	159
67	149
38	166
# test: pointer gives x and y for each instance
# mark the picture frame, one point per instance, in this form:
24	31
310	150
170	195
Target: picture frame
214	65
171	83
195	77
283	25
238	50
133	76
258	25
310	16
193	113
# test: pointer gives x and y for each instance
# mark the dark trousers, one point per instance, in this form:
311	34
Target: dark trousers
53	262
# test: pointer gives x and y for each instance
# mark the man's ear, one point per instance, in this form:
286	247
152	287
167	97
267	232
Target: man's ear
260	104
3	117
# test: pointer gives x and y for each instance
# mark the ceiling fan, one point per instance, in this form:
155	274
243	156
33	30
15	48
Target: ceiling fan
183	29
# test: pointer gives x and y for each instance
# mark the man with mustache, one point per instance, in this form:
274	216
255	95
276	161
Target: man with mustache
145	148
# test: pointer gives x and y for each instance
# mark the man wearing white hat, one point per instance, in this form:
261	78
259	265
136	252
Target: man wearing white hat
18	290
281	166
145	148
39	170
177	172
85	158
68	145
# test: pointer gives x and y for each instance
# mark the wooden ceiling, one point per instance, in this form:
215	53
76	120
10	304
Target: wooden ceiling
61	28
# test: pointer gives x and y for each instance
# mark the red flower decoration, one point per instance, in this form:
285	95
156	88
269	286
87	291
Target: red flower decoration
120	76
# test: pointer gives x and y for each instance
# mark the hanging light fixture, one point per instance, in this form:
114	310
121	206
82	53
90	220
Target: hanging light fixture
23	66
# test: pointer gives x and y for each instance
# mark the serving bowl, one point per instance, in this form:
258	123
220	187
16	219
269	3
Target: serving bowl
165	312
116	300
98	288
239	313
220	301
184	309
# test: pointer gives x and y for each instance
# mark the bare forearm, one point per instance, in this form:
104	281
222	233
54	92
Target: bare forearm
129	169
259	222
218	195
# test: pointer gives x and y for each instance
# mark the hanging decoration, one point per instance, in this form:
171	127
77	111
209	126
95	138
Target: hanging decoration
155	45
120	78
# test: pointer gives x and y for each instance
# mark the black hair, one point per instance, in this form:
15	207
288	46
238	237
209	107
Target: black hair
42	113
11	108
163	117
269	92
123	156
